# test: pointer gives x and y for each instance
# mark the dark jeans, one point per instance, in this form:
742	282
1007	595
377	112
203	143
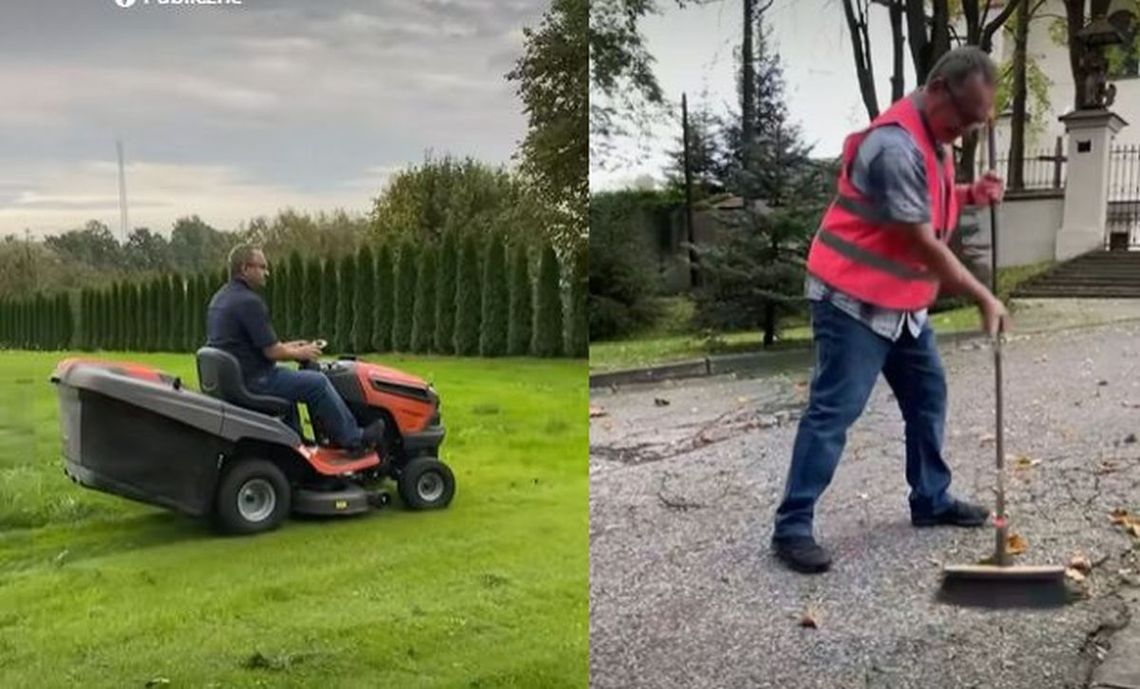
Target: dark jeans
318	394
848	360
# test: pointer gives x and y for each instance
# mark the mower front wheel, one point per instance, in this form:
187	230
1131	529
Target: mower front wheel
253	496
426	484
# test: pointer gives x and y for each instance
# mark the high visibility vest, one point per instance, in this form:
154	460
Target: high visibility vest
864	255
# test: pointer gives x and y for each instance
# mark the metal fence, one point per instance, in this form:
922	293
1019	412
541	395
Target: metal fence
1041	169
1123	229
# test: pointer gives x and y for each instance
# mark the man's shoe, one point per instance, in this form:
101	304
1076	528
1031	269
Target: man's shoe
801	554
960	513
372	435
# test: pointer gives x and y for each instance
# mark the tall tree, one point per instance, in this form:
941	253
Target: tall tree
764	268
154	323
384	307
445	294
623	86
177	313
295	295
423	320
578	320
115	322
493	333
344	306
405	297
1020	92
468	303
365	286
553	82
521	305
330	291
311	320
930	32
548	333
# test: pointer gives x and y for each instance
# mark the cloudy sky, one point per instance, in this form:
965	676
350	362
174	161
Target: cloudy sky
232	112
694	53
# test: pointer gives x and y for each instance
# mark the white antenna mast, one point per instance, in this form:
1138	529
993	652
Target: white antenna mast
122	193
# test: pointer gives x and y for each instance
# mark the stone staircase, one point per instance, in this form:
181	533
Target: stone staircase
1098	274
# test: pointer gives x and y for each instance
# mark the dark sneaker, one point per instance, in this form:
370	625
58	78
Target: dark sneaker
801	554
372	435
960	513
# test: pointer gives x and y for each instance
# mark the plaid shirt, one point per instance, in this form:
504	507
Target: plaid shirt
882	321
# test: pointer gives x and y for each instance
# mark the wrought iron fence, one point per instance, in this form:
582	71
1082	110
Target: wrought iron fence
1123	231
1041	169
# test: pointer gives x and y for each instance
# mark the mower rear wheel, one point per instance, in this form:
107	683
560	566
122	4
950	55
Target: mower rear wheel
253	496
426	484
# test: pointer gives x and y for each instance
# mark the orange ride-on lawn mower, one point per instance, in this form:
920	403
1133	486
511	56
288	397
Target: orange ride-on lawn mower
226	453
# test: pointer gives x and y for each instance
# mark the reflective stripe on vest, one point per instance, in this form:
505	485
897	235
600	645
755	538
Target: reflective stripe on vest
860	255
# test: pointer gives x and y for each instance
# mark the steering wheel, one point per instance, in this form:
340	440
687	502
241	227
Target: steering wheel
312	365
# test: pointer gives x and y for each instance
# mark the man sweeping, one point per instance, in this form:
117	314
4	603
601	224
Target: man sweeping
877	262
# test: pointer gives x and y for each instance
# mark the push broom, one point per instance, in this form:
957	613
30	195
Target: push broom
998	582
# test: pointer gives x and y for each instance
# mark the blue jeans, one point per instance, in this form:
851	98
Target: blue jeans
849	358
318	394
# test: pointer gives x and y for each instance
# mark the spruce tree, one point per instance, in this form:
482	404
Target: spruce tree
753	276
521	311
423	318
68	322
363	293
493	331
344	307
329	291
153	340
311	322
177	316
133	317
405	297
384	300
468	301
548	334
578	321
296	296
446	294
278	290
204	295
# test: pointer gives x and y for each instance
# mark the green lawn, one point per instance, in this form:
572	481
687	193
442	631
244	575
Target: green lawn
96	591
671	337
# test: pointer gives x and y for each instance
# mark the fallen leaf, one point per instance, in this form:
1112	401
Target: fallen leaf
1080	563
810	619
596	412
1134	529
660	402
1075	574
1024	462
741	400
1119	516
1015	544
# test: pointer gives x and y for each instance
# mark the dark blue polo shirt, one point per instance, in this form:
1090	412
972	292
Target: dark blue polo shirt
237	321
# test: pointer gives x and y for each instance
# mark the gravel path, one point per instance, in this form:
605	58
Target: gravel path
685	594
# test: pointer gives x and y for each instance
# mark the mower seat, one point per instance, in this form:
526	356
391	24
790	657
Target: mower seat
219	376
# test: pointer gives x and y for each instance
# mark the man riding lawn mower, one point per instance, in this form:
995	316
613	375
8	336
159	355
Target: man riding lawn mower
238	452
